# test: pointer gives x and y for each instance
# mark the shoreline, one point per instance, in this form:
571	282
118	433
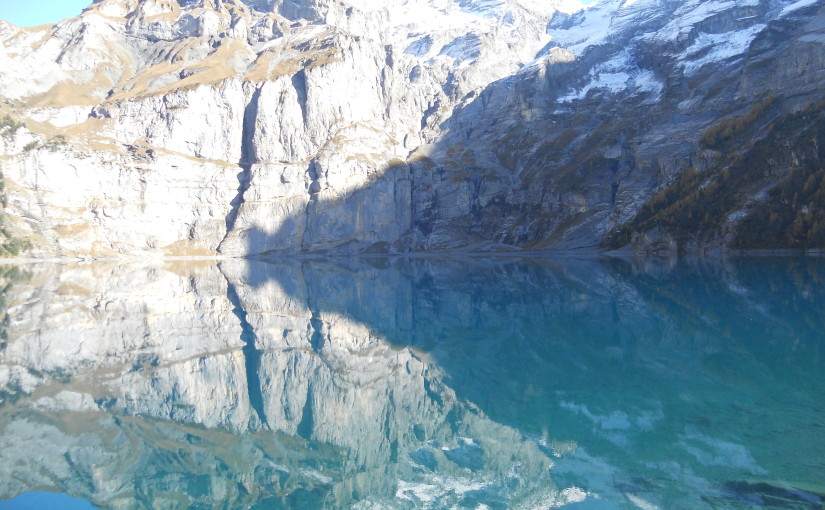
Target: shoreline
514	254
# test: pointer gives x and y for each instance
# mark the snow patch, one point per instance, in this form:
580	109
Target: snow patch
546	8
583	29
617	420
61	117
428	493
558	499
736	216
617	74
716	452
463	49
693	12
67	401
483	7
311	473
796	6
712	48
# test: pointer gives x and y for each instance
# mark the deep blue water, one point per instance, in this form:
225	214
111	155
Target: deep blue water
424	383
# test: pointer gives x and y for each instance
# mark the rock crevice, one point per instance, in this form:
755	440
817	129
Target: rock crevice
248	157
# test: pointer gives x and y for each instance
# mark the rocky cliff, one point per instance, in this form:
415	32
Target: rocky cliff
245	127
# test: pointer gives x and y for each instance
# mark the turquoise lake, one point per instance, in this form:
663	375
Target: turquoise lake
480	383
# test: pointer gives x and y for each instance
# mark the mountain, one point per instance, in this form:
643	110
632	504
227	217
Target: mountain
252	127
671	126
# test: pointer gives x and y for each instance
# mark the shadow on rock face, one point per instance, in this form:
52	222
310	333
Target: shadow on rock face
525	165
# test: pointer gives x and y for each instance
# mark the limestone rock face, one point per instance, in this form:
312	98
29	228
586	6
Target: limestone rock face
197	127
173	127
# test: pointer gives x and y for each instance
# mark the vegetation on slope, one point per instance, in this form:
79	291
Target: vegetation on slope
9	126
773	184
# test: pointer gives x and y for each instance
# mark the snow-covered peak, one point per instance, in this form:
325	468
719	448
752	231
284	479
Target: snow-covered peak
497	36
483	8
689	34
439	15
662	20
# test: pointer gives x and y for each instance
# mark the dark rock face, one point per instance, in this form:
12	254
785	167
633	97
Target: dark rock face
538	170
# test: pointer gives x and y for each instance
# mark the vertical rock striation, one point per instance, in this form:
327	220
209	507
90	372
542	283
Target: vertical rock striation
244	127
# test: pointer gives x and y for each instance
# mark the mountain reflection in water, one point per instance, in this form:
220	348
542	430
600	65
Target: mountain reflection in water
423	383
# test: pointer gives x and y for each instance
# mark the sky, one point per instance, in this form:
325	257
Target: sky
28	13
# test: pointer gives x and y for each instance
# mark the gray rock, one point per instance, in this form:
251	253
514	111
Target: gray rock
197	128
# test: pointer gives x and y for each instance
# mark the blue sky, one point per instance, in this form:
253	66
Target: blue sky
27	13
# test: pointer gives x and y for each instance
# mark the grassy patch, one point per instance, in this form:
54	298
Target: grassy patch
9	126
55	143
719	135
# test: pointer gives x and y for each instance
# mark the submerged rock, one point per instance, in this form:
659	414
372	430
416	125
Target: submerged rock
779	494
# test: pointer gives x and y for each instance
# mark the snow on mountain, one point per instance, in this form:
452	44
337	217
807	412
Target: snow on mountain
797	5
693	33
615	75
710	48
317	125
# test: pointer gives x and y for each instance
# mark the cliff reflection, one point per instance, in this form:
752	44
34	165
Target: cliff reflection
414	383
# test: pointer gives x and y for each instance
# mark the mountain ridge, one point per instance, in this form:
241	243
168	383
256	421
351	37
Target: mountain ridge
242	128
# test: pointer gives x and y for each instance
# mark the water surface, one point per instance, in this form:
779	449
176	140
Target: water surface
391	383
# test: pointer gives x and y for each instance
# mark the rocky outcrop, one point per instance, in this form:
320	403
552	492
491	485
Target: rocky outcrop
239	128
574	151
149	127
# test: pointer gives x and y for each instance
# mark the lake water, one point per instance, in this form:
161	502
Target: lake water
424	383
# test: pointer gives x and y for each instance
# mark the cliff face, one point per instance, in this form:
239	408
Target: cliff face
189	128
616	139
245	127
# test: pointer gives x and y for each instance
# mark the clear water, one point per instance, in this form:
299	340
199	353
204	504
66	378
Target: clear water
424	383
